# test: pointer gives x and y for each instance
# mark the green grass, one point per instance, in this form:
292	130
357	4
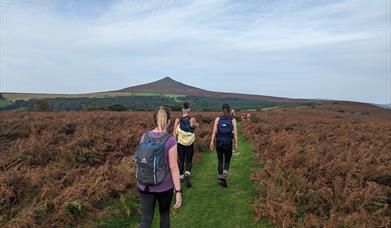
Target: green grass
270	108
175	96
249	110
119	213
207	204
4	102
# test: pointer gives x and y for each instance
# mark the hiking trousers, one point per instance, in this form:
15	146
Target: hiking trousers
185	156
148	201
224	155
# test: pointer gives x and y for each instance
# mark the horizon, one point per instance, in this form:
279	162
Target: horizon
336	50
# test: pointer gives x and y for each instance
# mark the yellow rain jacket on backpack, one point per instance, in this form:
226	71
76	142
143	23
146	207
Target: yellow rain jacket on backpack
185	138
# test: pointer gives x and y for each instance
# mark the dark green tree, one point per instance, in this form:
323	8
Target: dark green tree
117	108
42	106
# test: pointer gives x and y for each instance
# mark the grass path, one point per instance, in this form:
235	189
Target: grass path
207	204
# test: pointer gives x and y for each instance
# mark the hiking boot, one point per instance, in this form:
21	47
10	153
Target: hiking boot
187	180
224	183
220	181
224	180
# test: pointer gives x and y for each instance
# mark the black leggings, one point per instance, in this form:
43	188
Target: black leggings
148	201
224	155
185	154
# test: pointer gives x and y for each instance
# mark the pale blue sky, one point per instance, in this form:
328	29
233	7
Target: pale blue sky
335	49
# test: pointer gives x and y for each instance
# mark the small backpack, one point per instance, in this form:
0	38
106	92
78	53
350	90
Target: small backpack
224	131
184	123
185	133
151	165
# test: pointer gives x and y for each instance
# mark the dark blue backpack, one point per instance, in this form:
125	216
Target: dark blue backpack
151	165
184	124
225	128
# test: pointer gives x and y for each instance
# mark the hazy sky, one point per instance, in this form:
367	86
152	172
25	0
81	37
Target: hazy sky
336	49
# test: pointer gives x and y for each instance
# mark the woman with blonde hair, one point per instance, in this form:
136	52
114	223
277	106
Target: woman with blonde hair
157	171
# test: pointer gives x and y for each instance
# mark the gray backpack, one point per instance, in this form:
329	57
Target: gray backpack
151	165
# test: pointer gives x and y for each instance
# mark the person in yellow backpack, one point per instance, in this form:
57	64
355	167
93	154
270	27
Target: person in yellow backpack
184	131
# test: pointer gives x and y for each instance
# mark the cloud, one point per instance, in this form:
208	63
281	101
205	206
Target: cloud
71	46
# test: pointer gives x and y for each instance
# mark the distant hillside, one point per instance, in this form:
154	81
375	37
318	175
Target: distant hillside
387	106
169	85
356	108
172	93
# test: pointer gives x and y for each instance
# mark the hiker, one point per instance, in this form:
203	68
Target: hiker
184	131
157	171
233	113
225	132
243	116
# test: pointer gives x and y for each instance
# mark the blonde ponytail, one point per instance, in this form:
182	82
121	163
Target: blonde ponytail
162	118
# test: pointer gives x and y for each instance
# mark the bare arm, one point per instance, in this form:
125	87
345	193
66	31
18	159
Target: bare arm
212	141
235	133
172	157
193	122
175	126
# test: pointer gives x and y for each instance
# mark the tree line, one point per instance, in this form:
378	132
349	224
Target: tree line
135	103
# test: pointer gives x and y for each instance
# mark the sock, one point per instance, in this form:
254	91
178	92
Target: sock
187	173
181	176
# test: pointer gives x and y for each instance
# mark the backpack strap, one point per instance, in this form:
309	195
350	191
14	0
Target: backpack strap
186	120
163	141
221	118
226	117
164	138
146	137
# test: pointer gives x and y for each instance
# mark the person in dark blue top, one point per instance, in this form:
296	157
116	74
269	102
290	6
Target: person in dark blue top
226	135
